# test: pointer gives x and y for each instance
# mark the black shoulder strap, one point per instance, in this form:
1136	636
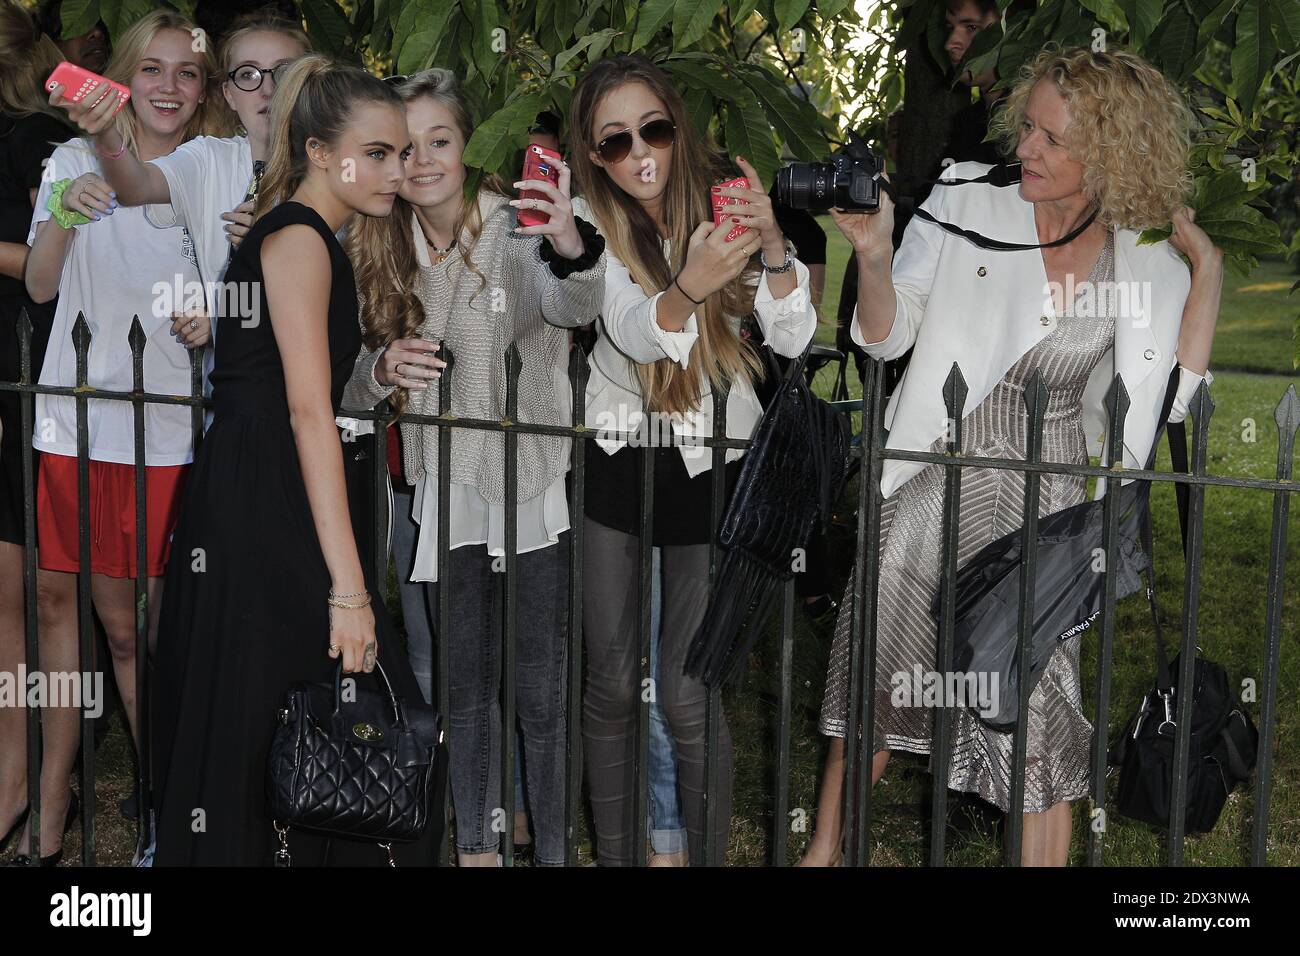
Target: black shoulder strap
1003	174
1177	433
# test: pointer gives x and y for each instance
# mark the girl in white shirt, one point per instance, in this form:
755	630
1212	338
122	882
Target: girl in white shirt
675	290
207	184
106	270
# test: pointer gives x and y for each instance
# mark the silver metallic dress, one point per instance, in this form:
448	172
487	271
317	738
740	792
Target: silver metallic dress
992	503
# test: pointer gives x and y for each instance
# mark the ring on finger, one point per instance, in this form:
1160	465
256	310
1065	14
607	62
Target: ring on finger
194	324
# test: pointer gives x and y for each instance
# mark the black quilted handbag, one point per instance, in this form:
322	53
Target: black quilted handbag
789	479
356	769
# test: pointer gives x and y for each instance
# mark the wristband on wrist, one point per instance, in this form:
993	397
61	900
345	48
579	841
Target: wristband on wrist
120	151
685	293
65	217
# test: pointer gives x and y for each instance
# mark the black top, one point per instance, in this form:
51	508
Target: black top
248	372
25	143
682	503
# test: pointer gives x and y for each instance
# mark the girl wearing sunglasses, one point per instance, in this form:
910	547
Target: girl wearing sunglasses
675	290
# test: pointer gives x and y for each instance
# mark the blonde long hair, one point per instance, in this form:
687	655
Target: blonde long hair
383	250
130	49
696	166
1129	127
27	57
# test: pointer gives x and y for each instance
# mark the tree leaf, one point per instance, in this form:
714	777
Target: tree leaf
703	74
700	108
327	26
788	12
749	135
1252	55
495	140
1143	16
691	19
427	30
797	122
1287	17
482	18
653	15
591	42
830	9
1174	42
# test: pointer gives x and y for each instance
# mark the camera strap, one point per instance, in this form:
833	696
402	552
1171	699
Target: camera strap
1003	174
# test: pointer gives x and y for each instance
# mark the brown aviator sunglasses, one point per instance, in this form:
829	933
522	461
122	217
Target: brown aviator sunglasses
658	133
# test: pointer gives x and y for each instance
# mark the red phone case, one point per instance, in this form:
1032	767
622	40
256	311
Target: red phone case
721	203
539	163
78	81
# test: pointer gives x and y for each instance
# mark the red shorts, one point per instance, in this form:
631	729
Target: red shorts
112	515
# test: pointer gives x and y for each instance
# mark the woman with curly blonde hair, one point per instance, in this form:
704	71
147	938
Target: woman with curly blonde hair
1103	140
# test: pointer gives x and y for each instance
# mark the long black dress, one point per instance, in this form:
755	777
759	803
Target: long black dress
243	611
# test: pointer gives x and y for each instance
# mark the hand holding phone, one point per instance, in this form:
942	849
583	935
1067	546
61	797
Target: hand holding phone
543	164
722	204
78	82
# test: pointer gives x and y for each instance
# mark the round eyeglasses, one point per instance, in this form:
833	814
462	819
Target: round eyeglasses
249	78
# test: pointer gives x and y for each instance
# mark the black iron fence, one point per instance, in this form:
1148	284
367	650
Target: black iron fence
870	455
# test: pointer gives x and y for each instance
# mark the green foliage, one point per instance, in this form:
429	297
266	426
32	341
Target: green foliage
740	63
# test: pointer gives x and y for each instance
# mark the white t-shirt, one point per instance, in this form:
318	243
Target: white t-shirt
207	176
109	274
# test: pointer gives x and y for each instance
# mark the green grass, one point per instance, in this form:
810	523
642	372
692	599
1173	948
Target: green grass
1254	333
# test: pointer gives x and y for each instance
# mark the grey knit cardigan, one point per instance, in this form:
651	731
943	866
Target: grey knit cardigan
478	323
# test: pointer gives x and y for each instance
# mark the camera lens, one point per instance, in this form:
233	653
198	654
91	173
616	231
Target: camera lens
804	186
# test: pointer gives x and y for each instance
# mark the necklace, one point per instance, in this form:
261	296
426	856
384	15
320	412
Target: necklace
441	254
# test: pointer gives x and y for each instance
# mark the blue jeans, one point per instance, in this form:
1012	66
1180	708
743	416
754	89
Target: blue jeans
473	713
667	828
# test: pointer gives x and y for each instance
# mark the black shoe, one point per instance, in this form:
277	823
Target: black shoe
18	825
824	608
54	859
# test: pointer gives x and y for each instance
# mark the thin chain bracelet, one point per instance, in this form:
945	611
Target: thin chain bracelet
334	594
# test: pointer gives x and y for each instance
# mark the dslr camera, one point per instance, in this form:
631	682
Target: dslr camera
848	180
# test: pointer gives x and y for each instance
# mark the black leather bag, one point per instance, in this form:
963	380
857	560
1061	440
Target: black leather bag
355	769
789	479
1221	751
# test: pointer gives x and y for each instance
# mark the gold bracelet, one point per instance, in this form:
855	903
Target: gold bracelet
335	602
335	594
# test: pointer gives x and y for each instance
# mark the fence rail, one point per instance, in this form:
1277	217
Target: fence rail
870	455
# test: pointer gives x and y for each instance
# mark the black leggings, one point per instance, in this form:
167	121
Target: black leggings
610	614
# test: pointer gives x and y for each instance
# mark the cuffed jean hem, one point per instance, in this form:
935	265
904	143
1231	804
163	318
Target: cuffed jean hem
668	841
469	851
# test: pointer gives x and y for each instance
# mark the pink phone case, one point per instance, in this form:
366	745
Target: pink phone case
78	81
539	163
721	206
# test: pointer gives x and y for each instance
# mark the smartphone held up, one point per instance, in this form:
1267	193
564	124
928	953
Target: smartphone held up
540	163
77	82
722	204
